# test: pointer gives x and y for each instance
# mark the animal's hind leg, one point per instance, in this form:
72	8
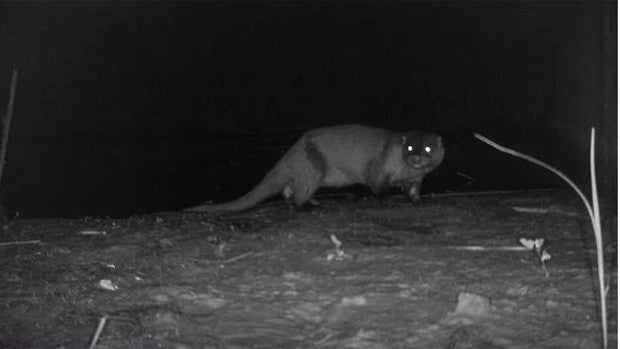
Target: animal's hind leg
309	175
302	194
305	183
287	192
307	172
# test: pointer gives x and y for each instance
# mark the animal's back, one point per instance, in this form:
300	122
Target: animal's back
347	150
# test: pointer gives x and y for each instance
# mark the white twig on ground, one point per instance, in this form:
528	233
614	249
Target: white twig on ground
98	332
522	209
236	258
27	242
487	248
488	192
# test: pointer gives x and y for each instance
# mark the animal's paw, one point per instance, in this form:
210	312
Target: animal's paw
414	194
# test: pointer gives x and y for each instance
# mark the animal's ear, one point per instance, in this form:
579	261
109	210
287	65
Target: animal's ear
404	138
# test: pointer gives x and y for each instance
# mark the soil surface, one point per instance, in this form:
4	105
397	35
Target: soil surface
350	273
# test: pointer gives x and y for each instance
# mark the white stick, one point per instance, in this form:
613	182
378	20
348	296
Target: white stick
233	259
100	327
488	248
596	225
9	243
489	192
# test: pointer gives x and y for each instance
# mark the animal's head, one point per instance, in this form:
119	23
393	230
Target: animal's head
423	150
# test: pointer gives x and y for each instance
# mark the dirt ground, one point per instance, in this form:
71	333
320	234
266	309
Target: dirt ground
445	273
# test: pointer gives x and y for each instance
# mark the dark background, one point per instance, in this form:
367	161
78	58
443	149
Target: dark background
124	108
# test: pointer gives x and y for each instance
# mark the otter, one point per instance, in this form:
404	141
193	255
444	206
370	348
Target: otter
345	155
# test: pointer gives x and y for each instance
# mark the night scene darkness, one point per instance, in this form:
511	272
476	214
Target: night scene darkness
230	174
125	108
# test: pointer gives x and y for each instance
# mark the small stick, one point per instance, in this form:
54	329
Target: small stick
233	259
6	122
100	327
489	192
487	248
9	243
522	209
469	178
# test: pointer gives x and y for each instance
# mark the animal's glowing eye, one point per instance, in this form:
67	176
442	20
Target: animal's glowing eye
410	148
427	149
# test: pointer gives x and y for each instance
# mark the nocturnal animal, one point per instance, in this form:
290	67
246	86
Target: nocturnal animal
345	155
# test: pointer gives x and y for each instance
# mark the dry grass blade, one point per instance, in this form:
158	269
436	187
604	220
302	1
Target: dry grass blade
598	235
6	122
593	213
12	243
98	332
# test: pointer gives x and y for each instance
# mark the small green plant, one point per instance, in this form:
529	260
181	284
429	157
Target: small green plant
537	246
593	212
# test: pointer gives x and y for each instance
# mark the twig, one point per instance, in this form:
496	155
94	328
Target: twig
593	213
100	327
487	248
6	122
489	192
544	268
469	178
9	243
522	209
233	259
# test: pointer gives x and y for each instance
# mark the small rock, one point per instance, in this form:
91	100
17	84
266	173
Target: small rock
107	284
470	337
552	304
62	250
354	301
166	242
472	304
161	319
87	302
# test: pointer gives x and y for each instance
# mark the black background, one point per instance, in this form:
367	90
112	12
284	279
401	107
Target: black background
127	107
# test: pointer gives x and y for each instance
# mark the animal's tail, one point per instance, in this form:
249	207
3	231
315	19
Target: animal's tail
271	184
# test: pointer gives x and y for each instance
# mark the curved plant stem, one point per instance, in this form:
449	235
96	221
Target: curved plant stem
541	164
593	212
596	225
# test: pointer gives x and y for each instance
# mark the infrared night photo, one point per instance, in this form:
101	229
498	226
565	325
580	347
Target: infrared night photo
309	174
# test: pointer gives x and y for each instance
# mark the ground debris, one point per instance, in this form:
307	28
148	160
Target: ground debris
263	278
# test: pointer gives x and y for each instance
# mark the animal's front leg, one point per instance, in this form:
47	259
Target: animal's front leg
413	191
382	191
